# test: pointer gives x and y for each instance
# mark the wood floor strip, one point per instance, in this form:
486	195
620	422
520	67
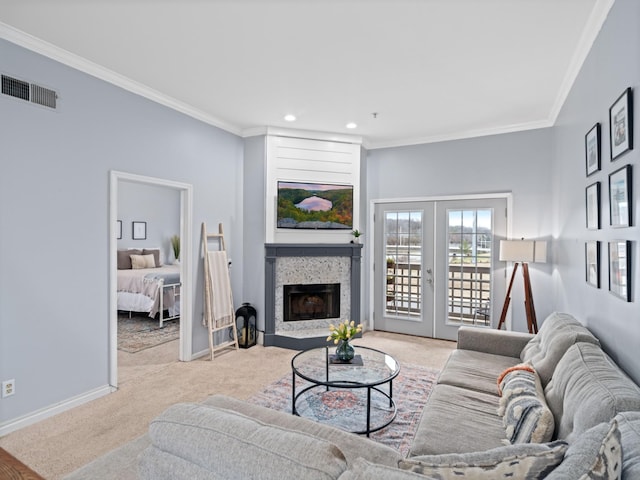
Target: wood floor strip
13	469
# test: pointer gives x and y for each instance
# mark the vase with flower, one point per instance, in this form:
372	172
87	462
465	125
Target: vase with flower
341	336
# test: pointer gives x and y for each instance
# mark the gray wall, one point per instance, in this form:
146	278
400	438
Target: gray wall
159	207
518	163
612	65
54	194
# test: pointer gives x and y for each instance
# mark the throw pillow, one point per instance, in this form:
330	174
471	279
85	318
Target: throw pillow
156	255
531	461
124	258
594	455
142	261
629	426
524	411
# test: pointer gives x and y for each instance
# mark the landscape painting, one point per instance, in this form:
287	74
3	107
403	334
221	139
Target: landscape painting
315	206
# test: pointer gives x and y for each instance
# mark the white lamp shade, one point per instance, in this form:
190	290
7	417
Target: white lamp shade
524	251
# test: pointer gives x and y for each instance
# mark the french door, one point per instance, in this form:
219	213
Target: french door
435	265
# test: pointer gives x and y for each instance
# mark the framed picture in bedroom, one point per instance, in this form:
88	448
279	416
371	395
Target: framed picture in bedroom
592	149
620	197
139	230
621	124
119	230
593	206
592	263
620	269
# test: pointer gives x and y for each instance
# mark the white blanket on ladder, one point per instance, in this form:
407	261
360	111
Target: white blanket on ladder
220	294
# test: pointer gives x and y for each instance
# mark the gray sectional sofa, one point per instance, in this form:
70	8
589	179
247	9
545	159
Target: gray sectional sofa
595	407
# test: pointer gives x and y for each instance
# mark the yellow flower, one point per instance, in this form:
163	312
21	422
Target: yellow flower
331	327
335	341
329	338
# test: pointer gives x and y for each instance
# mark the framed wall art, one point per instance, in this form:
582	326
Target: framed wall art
620	197
621	124
119	230
620	268
592	263
593	206
592	149
139	230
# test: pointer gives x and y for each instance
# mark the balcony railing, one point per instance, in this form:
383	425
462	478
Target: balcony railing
469	288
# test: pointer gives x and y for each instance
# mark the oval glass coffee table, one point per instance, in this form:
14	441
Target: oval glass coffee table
355	396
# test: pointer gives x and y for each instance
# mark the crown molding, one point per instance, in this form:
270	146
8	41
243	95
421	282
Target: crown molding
308	134
77	62
585	43
406	142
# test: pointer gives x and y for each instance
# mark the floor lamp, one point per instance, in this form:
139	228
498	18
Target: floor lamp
522	252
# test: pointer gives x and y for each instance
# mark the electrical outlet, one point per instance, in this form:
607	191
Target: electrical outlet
8	388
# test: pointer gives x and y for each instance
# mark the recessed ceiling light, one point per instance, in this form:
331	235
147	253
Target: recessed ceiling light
351	125
290	118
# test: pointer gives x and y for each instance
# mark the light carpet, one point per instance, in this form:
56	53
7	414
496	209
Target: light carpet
411	389
141	332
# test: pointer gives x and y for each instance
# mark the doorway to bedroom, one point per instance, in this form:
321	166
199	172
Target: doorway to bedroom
149	263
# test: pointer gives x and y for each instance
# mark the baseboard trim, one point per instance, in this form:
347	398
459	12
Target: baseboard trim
39	415
200	354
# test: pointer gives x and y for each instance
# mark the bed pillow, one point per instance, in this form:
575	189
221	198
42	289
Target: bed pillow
124	259
523	408
156	255
528	460
142	261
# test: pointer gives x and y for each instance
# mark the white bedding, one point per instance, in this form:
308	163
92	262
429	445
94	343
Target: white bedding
139	293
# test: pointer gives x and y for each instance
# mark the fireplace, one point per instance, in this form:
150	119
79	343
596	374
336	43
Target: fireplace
311	302
306	265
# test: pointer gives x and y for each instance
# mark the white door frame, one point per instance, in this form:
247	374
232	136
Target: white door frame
186	264
440	198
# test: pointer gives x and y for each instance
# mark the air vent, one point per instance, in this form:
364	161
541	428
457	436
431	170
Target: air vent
43	96
15	88
34	93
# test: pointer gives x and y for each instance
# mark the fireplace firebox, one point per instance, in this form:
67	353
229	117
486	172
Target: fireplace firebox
311	301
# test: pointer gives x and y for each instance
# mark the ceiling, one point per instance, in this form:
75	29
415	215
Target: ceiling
405	71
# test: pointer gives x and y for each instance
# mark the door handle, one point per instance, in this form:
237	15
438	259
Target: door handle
429	278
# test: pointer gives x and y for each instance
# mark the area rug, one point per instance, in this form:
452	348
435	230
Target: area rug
346	409
141	332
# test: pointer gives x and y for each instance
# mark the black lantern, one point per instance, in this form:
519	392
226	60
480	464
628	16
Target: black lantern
246	325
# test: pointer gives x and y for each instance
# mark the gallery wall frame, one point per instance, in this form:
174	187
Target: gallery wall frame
119	230
620	268
620	197
139	230
592	195
621	124
592	263
592	149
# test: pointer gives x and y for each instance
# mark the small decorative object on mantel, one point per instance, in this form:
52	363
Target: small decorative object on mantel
341	336
356	236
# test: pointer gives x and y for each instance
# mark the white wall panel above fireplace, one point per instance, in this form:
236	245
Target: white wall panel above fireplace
309	161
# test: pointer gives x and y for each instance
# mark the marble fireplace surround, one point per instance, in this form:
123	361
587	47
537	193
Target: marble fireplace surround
308	264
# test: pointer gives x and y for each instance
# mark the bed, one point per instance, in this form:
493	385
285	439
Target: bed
152	290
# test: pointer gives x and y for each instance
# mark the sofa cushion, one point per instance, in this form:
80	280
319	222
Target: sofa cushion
557	333
475	370
588	388
364	470
629	425
353	446
457	420
531	461
596	454
235	446
523	408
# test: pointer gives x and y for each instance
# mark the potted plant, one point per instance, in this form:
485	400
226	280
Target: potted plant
356	234
175	245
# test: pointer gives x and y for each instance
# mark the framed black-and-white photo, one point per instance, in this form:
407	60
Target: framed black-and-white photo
620	197
620	268
139	230
621	124
592	263
119	230
592	149
593	206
